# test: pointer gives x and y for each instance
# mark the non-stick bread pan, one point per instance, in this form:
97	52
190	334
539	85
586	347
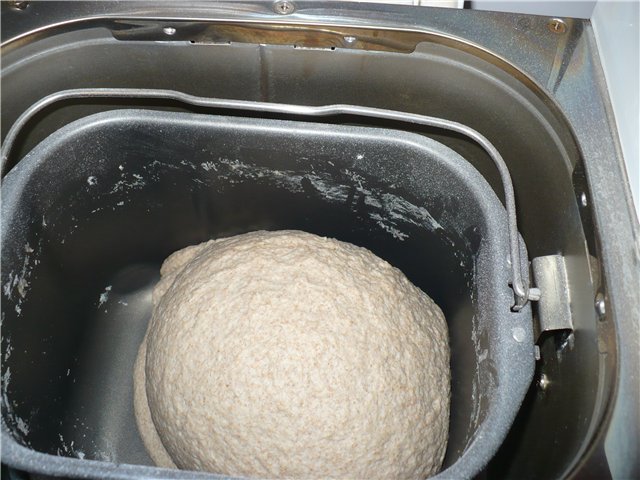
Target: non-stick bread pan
89	215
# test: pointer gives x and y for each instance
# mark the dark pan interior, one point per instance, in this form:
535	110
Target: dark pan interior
89	216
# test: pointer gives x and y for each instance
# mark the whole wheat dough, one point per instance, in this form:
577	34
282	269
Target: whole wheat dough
285	354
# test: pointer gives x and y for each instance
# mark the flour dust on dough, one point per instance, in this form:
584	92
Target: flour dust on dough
289	355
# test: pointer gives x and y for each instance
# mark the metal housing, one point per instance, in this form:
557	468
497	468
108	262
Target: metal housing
538	95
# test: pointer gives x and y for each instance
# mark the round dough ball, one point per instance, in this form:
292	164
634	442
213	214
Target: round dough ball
285	354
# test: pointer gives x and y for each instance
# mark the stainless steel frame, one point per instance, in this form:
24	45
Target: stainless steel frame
561	70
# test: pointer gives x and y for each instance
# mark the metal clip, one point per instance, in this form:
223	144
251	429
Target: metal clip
554	312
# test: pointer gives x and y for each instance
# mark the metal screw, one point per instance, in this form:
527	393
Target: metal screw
583	199
601	306
557	25
169	30
543	382
350	40
518	334
284	7
19	5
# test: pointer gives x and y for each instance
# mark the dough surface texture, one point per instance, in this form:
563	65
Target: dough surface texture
288	355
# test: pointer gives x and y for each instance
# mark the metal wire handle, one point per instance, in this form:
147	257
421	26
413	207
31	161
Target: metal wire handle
522	293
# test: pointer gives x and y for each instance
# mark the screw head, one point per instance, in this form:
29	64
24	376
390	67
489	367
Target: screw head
19	5
557	25
169	30
518	334
284	7
583	199
601	306
543	382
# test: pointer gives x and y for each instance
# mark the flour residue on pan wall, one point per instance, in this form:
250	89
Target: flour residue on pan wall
15	290
18	426
104	296
17	285
69	448
387	210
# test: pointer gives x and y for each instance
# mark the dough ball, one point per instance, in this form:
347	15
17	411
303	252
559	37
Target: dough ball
285	354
